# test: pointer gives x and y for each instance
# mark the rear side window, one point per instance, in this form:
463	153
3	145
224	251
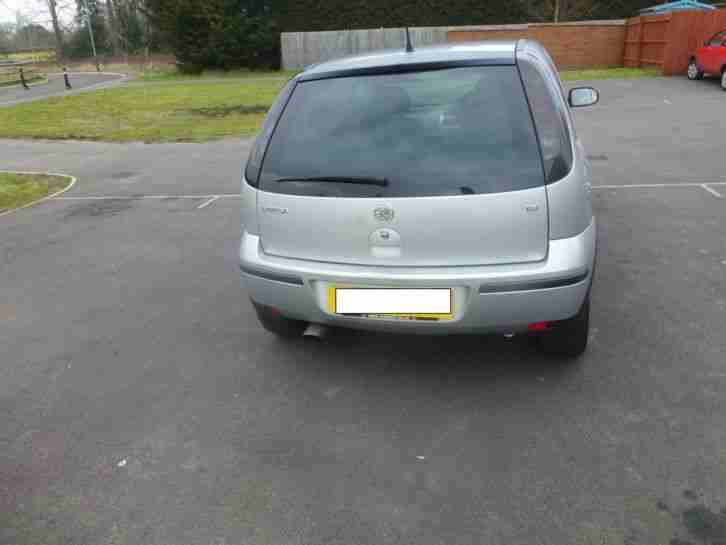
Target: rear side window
551	120
457	131
254	162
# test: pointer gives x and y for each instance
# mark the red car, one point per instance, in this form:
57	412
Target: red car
710	59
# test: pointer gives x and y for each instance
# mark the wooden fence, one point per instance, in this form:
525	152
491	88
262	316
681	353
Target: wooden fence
645	41
33	55
10	73
668	41
587	44
301	49
573	46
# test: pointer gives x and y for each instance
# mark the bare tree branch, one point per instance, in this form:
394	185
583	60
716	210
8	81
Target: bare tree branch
56	29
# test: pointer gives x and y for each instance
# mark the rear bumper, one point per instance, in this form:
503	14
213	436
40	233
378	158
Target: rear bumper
497	298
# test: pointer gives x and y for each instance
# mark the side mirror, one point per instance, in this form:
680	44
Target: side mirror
583	96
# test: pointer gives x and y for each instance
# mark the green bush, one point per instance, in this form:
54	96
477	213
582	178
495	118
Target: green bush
310	15
252	42
190	36
219	34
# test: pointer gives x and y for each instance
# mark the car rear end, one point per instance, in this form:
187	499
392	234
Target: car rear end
440	193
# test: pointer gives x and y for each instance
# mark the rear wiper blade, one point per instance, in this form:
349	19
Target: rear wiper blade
382	182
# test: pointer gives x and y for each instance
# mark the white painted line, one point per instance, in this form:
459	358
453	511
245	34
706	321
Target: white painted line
129	197
140	197
645	186
712	191
53	196
89	73
209	199
607	107
207	202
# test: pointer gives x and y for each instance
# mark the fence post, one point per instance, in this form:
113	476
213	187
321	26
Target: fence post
66	80
22	80
641	33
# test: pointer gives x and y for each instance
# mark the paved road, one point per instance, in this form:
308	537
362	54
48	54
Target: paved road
140	402
81	82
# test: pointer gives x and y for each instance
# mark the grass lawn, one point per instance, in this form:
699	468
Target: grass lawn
169	112
20	189
609	73
174	75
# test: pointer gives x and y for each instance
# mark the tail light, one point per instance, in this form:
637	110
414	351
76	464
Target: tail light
539	326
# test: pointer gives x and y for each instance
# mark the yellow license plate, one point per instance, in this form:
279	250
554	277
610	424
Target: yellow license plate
425	304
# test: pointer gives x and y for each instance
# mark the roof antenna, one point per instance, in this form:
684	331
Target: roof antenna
409	45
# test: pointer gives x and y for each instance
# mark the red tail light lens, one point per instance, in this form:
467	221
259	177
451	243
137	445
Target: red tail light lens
539	326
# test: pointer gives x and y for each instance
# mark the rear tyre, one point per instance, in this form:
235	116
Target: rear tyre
694	72
723	80
569	338
275	323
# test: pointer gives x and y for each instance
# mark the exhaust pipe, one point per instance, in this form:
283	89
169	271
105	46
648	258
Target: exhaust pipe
316	331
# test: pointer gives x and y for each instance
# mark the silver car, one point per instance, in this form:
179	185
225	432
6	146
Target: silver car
441	190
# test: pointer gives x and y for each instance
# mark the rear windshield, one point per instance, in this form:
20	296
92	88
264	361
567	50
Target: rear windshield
458	131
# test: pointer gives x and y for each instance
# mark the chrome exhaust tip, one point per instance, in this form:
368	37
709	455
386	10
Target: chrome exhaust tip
316	331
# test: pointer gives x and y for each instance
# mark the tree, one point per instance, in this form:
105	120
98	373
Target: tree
53	10
112	26
89	12
33	36
7	31
219	33
129	25
310	15
577	10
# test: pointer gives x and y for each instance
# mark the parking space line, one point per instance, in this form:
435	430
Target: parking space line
663	102
712	191
209	199
648	105
141	197
207	202
646	186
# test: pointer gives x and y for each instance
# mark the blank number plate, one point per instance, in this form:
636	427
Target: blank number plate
403	303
